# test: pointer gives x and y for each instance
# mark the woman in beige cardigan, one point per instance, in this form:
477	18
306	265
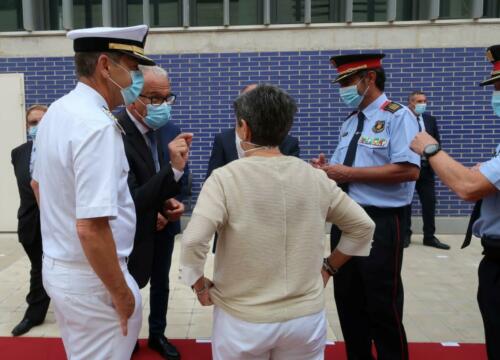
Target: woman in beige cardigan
269	211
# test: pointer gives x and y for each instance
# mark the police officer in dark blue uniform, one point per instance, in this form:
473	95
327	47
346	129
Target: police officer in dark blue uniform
373	164
480	183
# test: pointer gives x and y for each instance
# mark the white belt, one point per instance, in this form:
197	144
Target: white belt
81	265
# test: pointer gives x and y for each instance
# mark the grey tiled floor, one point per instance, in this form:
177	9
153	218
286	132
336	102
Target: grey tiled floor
440	295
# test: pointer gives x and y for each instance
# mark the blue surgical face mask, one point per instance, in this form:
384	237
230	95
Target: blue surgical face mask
157	116
495	102
420	108
350	95
131	92
32	132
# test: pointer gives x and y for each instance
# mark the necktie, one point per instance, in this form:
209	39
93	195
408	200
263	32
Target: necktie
476	212
32	158
353	146
153	147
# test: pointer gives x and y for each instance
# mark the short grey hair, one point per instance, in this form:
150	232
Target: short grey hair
415	93
156	70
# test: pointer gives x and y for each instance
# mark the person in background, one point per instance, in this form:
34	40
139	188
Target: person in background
154	183
270	211
28	224
425	185
226	145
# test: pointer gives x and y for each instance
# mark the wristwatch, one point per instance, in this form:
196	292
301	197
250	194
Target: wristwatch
431	150
328	268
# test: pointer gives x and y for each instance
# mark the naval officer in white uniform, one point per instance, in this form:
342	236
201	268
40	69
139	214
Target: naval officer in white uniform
87	213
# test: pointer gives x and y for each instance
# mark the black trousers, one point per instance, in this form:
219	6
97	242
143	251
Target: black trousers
488	297
425	187
369	292
37	299
159	282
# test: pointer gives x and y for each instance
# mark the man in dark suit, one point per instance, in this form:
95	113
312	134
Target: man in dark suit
425	185
153	184
225	149
164	247
28	226
226	145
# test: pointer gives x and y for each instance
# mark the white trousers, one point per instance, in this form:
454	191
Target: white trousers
302	338
89	325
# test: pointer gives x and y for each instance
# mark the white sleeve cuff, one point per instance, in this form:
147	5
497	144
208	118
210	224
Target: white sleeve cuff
353	247
189	275
177	174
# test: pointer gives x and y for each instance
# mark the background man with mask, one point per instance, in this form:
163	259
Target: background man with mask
28	225
373	165
425	185
86	210
480	183
153	185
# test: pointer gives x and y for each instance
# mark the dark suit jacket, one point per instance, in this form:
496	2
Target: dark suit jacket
149	191
432	129
224	149
167	134
28	215
431	126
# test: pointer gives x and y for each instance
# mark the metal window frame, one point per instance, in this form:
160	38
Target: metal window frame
67	14
30	21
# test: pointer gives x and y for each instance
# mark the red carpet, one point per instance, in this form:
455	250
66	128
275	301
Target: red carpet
25	348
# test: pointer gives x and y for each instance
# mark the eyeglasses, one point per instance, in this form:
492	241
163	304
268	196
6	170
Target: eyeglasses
158	100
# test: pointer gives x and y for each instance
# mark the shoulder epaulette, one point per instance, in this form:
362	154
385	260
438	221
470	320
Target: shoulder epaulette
392	107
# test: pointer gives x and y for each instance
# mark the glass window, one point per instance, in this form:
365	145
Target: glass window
87	13
287	11
134	12
492	8
163	13
455	9
246	12
11	15
53	15
412	10
206	12
323	11
369	10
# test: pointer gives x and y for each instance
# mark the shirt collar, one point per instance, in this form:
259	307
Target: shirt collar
91	94
143	129
371	110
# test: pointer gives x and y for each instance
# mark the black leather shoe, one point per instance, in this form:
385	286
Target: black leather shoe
164	347
23	327
434	242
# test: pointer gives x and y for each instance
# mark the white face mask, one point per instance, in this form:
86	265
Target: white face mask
239	149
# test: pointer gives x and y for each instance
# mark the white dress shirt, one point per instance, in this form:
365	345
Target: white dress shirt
82	173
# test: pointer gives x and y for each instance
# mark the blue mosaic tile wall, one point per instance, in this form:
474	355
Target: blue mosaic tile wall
207	83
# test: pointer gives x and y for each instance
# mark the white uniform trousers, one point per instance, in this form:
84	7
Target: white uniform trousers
303	338
89	325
